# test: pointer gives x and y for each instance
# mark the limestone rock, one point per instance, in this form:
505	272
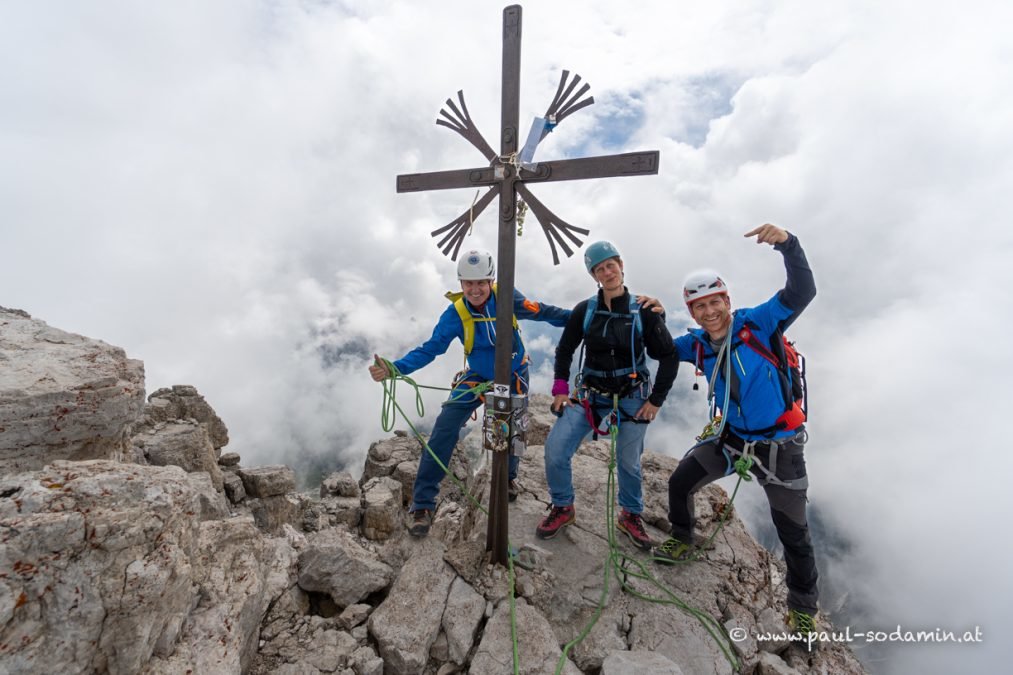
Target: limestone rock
366	662
241	573
339	484
771	664
538	646
382	508
181	443
408	621
384	456
183	402
268	481
234	489
229	459
335	563
624	663
272	514
100	557
461	618
63	396
213	505
344	512
353	615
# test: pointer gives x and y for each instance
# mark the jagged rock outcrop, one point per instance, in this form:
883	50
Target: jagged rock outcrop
109	565
140	568
184	402
62	396
182	443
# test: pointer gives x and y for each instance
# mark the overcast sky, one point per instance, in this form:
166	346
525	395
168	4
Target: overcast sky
210	185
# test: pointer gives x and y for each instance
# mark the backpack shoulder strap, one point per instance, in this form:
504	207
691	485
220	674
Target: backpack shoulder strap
748	337
467	323
638	322
468	319
592	307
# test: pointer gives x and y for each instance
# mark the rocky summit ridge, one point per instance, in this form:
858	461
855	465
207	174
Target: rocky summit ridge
131	542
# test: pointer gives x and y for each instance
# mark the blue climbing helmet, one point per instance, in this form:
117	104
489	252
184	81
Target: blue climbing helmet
597	253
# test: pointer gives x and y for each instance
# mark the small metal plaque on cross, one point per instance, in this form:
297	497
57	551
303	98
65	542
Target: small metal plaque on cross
508	176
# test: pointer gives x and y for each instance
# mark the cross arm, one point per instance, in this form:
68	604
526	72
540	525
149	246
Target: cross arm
446	180
628	164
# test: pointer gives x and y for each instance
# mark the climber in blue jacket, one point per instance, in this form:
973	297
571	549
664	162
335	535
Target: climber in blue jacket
742	355
470	318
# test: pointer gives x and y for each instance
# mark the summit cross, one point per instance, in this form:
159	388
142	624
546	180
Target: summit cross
508	175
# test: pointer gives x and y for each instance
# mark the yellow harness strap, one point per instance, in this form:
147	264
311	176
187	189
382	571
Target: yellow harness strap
468	319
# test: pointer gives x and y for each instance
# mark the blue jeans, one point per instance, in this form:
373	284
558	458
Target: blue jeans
573	428
446	432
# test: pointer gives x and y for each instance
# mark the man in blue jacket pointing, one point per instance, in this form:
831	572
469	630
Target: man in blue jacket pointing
471	319
759	418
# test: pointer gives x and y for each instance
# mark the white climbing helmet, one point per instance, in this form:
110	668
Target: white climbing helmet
476	264
702	284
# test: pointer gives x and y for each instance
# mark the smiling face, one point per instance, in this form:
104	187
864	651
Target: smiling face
713	314
609	274
476	291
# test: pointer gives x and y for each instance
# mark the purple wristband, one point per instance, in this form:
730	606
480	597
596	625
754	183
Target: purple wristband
560	388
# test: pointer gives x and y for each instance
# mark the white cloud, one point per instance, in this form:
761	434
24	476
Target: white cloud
211	186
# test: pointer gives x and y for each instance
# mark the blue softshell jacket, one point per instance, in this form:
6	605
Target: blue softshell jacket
481	360
760	399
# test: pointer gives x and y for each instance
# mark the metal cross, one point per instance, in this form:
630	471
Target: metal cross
506	177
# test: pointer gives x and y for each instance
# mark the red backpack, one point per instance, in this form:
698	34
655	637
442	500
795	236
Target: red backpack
790	367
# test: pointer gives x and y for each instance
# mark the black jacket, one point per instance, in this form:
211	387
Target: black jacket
607	347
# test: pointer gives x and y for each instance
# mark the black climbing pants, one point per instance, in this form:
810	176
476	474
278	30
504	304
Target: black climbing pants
712	460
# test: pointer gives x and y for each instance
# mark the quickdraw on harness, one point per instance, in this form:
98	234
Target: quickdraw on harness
468	320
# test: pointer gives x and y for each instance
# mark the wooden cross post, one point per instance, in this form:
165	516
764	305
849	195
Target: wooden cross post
508	176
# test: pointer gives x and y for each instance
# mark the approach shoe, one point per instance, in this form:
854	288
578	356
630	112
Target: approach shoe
671	551
421	520
801	622
513	489
633	526
558	518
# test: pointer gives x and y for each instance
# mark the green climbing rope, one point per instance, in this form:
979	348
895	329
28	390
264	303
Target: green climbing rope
389	406
617	561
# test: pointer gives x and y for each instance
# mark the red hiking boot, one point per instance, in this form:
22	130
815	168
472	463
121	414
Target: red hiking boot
633	526
558	518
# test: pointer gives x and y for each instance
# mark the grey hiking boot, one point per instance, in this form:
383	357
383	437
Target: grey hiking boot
421	520
513	489
671	551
